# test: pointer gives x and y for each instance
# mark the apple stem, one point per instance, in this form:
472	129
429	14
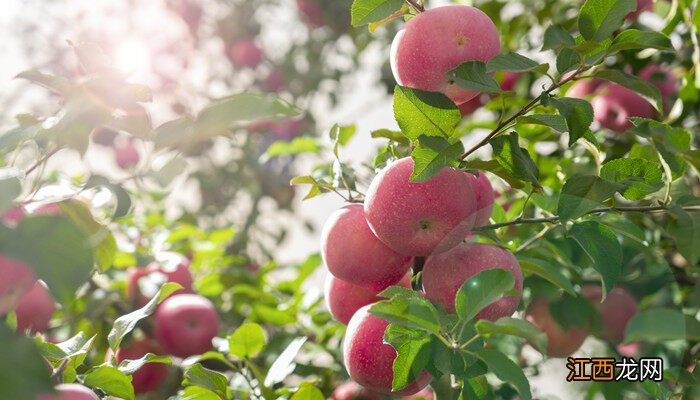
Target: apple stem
418	264
418	7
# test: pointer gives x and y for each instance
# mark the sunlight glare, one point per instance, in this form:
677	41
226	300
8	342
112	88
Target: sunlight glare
133	56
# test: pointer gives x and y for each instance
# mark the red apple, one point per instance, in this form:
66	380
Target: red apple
369	360
484	197
664	80
353	391
185	325
510	79
420	218
12	216
70	391
445	273
615	312
151	375
438	40
615	104
144	283
126	156
274	82
469	106
584	88
352	252
48	209
560	342
17	280
35	309
246	53
310	13
344	298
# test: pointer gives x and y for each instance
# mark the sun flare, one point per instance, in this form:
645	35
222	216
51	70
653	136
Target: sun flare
132	56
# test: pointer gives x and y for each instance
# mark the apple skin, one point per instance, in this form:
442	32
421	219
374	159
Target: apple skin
510	79
369	360
560	343
126	156
343	298
584	88
664	80
437	41
445	273
484	197
353	391
246	53
151	375
420	218
178	272
274	82
35	309
17	280
615	104
469	106
353	253
70	391
642	5
185	324
615	312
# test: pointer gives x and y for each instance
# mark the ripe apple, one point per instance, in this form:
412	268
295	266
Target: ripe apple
352	252
615	312
664	80
353	391
12	216
344	298
445	273
35	309
48	209
246	53
642	5
17	280
104	136
70	391
437	41
615	104
185	325
469	106
484	197
274	82
420	218
369	360
560	342
151	375
584	88
510	79
126	156
144	282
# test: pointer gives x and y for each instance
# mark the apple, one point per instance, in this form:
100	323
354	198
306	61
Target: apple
352	253
584	88
287	129
35	309
246	53
420	218
353	391
17	280
126	156
104	136
151	375
310	13
664	80
274	82
615	312
70	391
190	12
445	273
642	5
469	106
629	349
615	104
438	40
484	197
344	298
185	325
12	216
560	342
510	79
144	282
369	360
48	209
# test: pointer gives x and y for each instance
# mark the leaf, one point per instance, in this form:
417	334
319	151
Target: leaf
130	366
126	323
515	62
638	176
514	327
300	145
10	187
481	290
123	201
26	374
556	122
394	136
341	135
685	231
656	325
307	391
246	341
634	39
413	353
583	193
633	83
506	370
197	375
515	159
670	142
547	270
364	12
432	154
567	60
111	381
598	19
600	244
424	113
495	168
472	75
556	37
578	114
101	238
407	308
284	365
56	84
570	311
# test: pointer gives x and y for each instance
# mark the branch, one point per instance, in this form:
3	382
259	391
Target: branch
418	7
42	160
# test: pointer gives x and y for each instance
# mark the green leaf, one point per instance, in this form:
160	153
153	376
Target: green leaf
130	366
506	370
515	159
341	135
556	122
472	75
413	353
570	311
246	341
126	323
424	113
407	308
633	83
567	60
547	270
110	380
101	238
300	145
123	201
25	374
670	142
307	391
601	246
515	62
432	154
556	37
495	168
364	12
598	19
685	231
481	290
514	327
638	176
394	136
284	365
10	187
476	389
656	325
583	193
56	84
578	114
197	375
634	39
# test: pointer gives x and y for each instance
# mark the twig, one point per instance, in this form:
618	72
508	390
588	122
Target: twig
418	7
42	160
535	238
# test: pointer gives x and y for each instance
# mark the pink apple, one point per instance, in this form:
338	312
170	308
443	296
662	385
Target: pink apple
70	391
126	156
420	218
484	197
615	312
287	129
12	216
664	80
185	325
144	283
615	104
437	41
35	309
510	79
629	349
352	252
274	82
445	273
17	280
246	53
584	88
369	360
560	342
48	209
344	298
469	106
151	375
310	12
353	391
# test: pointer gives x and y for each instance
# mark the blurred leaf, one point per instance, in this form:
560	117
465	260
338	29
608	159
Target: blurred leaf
656	325
10	187
99	236
284	365
685	231
578	114
547	270
633	39
198	393
472	75
74	349
300	145
130	366
9	140
432	154
481	290
199	376
494	167
111	381
583	193
80	116
56	84
394	136
669	141
556	37
364	12
572	311
171	170
137	122
556	122
26	374
598	19
638	176
273	315
341	135
514	327
633	83
514	159
601	246
246	341
406	308
307	391
424	113
515	62
506	370
123	201
413	353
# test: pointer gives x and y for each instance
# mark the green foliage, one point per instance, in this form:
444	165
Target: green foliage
481	290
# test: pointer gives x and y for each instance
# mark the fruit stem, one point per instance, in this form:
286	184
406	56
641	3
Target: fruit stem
418	7
418	264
